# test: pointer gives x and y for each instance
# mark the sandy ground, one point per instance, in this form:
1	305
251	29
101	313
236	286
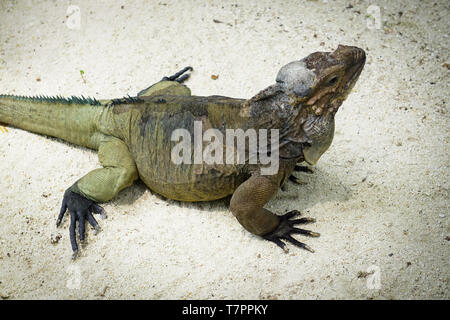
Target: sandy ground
380	194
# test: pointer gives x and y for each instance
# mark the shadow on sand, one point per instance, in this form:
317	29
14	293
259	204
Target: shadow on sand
320	186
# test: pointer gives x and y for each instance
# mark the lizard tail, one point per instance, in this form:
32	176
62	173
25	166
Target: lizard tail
72	119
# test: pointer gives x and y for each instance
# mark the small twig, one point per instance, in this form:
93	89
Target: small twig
82	76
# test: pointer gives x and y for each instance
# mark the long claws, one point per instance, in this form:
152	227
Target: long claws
296	180
286	228
81	226
73	240
93	222
80	209
299	169
176	77
304	220
182	78
95	208
290	214
281	244
298	243
305	232
62	211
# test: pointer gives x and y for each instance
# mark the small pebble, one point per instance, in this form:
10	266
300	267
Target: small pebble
54	239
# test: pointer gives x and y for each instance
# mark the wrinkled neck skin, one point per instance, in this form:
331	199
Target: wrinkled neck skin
301	131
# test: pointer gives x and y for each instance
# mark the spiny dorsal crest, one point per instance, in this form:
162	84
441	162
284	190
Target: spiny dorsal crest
55	99
127	99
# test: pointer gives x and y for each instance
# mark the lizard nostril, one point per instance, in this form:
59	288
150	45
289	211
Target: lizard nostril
359	54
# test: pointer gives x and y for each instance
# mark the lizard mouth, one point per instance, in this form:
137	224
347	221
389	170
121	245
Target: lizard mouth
355	74
359	57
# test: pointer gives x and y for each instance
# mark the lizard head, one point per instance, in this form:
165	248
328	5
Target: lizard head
316	86
322	77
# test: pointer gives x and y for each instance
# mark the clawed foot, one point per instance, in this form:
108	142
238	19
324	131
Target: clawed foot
286	229
299	169
296	180
80	209
179	77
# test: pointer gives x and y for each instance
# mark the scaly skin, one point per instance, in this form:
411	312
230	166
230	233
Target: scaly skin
133	138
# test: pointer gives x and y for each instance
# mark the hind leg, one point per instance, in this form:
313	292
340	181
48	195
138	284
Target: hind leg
100	185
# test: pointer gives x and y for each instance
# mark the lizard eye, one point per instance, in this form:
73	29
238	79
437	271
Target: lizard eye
333	80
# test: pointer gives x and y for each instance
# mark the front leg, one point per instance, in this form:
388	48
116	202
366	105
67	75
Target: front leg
247	206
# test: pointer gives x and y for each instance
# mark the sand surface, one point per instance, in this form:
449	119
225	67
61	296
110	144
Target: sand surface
380	194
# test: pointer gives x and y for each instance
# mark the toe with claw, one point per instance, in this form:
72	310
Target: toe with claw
303	169
179	77
286	229
299	168
296	180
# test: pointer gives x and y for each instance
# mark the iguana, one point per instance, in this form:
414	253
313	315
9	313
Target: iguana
133	139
